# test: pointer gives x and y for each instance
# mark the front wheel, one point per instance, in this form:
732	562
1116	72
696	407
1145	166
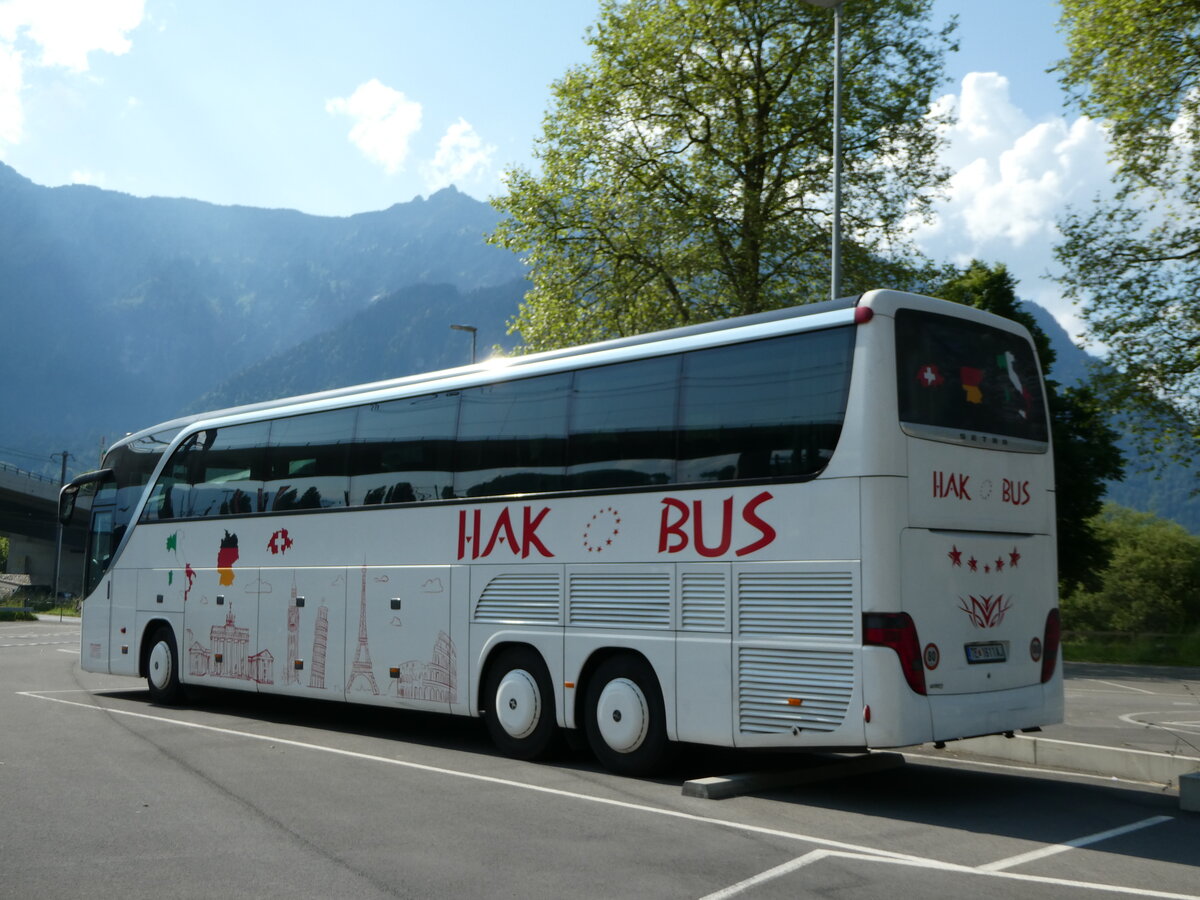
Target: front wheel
626	724
519	710
162	668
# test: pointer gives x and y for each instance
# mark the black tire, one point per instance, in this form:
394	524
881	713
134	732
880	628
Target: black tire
625	720
162	667
518	704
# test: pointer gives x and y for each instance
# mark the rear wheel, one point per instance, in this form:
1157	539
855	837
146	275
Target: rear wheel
626	724
519	704
162	667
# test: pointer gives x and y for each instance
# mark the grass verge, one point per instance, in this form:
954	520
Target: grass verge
1133	649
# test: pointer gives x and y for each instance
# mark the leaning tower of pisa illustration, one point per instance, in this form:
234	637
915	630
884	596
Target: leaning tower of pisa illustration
316	678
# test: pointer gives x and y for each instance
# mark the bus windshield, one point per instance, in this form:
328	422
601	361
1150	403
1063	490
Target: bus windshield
132	463
965	382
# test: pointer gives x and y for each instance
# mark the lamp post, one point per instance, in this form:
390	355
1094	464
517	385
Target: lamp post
472	329
835	261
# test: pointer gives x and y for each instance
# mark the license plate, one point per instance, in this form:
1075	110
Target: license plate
991	652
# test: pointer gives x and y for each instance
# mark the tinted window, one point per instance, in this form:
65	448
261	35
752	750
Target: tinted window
512	437
307	459
214	473
766	409
623	425
957	379
404	450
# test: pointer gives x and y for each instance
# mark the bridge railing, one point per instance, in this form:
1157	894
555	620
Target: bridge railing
7	467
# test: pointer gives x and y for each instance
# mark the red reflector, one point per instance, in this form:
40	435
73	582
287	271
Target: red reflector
863	315
896	630
867	714
1050	644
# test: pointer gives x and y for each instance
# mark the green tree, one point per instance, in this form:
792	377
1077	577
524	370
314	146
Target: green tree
3	554
685	171
1086	454
1153	583
1134	260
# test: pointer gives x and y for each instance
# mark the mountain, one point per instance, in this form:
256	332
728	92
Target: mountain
401	334
118	311
1168	493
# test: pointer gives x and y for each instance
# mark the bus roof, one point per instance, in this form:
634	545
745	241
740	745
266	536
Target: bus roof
488	369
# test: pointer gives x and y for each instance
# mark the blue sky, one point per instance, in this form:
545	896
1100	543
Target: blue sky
334	109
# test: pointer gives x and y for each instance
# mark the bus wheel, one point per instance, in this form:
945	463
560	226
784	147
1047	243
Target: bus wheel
519	709
162	667
626	725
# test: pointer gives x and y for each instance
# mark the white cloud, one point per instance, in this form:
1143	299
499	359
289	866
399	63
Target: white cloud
461	156
56	33
384	122
12	115
66	31
1013	179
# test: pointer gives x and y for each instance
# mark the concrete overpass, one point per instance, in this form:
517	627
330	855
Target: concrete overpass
28	518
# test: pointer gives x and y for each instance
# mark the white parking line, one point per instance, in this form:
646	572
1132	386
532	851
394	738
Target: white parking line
1041	853
1166	725
918	863
831	848
1127	687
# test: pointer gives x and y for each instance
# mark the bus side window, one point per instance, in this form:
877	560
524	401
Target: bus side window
767	409
307	461
623	425
170	496
403	450
512	437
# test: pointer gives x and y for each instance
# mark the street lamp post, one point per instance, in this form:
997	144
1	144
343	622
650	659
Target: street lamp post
835	253
472	329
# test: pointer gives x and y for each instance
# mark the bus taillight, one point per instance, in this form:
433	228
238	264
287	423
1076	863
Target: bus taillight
896	630
1050	648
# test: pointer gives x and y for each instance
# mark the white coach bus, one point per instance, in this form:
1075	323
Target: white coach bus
823	527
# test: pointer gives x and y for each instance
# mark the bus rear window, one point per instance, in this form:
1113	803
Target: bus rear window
962	381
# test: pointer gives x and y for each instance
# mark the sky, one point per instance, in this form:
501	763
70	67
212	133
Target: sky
339	108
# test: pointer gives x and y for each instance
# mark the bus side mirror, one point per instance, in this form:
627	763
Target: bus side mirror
66	504
70	492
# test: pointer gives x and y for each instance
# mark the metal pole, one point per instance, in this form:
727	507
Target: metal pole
472	329
58	539
835	276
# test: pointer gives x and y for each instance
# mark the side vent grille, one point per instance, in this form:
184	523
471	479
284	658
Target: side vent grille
704	601
818	605
534	598
620	600
782	690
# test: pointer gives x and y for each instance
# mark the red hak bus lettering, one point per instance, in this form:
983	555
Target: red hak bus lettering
1016	492
952	484
676	516
502	533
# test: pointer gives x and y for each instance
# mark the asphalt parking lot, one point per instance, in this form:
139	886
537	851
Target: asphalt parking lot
103	792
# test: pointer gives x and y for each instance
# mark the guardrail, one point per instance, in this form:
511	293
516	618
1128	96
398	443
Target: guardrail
6	467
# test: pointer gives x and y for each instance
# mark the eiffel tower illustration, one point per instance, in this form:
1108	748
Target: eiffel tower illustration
362	655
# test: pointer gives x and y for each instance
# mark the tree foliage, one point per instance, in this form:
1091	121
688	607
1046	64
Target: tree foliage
1153	583
685	171
1086	454
1134	260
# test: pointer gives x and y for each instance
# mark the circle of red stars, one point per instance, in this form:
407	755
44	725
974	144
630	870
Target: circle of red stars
599	533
